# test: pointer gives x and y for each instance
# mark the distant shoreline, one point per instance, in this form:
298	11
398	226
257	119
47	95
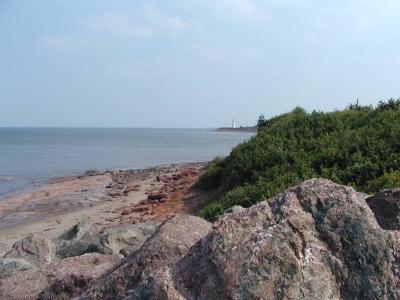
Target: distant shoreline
29	157
252	129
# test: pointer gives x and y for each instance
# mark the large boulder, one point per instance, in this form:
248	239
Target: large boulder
33	248
126	238
82	238
4	248
62	279
386	207
171	241
62	269
11	266
86	237
317	240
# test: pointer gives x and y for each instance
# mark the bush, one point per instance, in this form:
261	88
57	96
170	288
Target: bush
212	210
386	181
212	176
357	146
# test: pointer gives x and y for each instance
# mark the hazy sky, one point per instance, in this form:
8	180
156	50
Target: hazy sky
191	63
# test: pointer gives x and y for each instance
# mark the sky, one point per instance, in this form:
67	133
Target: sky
191	63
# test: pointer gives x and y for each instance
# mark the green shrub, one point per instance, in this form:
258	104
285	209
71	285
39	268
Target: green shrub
211	177
386	181
357	146
212	210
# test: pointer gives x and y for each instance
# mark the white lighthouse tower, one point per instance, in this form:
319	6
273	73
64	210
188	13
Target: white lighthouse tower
233	123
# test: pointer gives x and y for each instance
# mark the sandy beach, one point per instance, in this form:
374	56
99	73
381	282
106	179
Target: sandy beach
108	198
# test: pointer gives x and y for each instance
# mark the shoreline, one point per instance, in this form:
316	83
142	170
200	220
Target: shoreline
35	184
108	197
248	129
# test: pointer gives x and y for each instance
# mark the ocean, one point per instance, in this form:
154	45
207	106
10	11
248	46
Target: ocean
29	157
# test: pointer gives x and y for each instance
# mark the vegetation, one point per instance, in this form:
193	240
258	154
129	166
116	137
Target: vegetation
358	146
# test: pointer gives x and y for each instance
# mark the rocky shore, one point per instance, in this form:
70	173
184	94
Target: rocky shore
108	198
317	240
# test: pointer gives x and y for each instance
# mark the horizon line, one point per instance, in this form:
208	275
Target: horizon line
99	127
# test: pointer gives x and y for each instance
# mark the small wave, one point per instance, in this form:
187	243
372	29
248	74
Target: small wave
6	178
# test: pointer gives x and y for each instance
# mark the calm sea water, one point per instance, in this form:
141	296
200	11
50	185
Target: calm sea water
30	156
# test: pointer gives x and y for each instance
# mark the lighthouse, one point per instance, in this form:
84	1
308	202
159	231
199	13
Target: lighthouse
233	123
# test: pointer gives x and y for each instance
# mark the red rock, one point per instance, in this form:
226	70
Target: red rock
114	193
130	188
140	208
165	179
190	172
126	211
157	196
176	176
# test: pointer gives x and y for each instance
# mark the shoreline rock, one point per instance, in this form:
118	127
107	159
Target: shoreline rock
64	267
78	240
35	249
171	241
67	194
386	207
316	240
